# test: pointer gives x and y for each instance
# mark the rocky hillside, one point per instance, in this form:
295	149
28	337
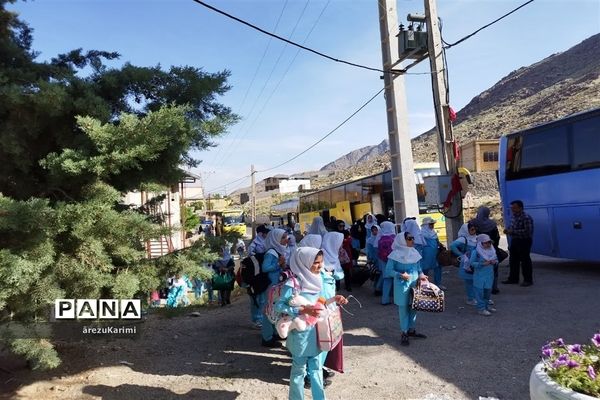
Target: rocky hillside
562	84
358	156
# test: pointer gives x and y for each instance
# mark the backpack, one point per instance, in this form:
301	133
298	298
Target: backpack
250	275
385	247
273	295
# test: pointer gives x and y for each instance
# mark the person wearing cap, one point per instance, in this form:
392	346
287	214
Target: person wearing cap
429	264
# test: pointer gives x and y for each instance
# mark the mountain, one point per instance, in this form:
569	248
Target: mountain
358	156
559	85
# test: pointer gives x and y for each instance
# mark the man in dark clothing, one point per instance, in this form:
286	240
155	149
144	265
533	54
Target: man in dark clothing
521	235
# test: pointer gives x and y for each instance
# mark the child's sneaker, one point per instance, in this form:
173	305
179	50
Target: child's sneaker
491	309
484	313
491	302
472	302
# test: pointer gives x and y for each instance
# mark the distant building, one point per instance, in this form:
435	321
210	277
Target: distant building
244	198
480	155
272	182
293	185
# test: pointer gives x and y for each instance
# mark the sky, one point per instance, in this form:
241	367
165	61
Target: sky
288	98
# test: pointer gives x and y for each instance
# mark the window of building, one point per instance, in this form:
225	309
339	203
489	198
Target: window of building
490	156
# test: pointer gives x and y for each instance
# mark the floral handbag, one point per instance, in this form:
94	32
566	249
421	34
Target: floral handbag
343	256
428	297
330	329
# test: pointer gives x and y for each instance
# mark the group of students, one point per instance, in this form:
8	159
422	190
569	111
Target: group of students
404	260
475	247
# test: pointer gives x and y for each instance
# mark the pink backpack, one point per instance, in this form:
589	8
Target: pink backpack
385	247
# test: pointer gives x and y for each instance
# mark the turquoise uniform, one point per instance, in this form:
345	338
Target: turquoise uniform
459	248
403	290
429	261
304	348
271	266
483	280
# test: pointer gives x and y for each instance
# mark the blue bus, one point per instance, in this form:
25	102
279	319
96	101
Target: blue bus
554	169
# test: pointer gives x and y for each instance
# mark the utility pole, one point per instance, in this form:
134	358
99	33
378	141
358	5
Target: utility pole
448	166
253	201
403	174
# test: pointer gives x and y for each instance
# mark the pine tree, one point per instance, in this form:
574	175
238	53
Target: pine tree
70	146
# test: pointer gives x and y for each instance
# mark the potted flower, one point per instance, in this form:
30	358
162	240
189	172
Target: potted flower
567	371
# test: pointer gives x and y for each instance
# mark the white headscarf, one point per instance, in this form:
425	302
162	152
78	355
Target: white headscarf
372	240
368	224
332	241
318	226
300	264
464	232
387	229
486	254
411	226
402	253
428	232
273	241
311	240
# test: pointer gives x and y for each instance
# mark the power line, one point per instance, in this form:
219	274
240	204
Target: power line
232	146
448	45
308	148
327	135
393	71
227	184
291	63
218	153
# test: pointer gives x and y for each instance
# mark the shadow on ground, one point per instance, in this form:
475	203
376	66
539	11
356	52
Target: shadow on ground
128	392
465	352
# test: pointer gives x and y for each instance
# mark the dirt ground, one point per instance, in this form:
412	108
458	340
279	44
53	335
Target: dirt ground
218	356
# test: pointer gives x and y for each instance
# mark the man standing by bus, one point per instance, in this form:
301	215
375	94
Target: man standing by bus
521	237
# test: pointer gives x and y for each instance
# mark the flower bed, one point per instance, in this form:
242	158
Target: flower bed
574	366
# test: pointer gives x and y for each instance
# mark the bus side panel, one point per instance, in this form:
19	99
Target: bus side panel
306	219
359	210
577	229
342	212
543	238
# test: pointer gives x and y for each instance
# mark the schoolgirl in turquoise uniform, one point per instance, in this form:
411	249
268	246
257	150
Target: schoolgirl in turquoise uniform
462	247
483	261
404	266
306	264
430	250
273	264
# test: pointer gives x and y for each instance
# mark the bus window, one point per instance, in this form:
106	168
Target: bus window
540	153
586	142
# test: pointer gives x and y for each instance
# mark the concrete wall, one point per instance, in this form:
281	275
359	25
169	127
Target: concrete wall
292	185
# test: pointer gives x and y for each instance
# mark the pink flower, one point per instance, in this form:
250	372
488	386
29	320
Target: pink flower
596	340
591	373
572	364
